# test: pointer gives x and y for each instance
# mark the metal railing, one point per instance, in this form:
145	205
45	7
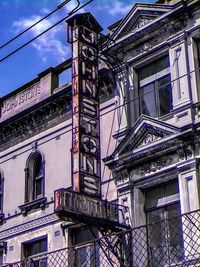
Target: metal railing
172	242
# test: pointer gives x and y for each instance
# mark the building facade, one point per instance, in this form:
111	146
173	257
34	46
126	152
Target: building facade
149	83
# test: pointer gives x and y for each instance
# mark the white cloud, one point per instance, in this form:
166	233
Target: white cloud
45	11
114	8
48	44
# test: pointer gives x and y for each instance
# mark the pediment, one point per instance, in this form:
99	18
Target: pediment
138	17
145	132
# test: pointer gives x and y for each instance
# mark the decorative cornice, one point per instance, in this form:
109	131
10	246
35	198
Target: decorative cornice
29	226
145	39
42	117
154	166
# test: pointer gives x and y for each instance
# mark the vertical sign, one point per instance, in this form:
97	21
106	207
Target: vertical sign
83	34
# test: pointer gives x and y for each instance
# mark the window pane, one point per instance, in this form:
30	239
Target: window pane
162	64
84	255
38	188
165	95
171	189
147	98
1	183
147	71
152	197
35	247
38	167
1	202
37	181
155	67
198	49
1	257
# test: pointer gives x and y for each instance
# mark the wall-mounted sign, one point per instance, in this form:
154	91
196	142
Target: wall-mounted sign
27	97
76	205
83	34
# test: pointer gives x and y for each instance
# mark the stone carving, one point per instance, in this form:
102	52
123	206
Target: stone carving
149	138
185	153
154	166
140	23
120	176
28	226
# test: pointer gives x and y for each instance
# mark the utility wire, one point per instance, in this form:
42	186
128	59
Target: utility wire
103	114
78	7
37	22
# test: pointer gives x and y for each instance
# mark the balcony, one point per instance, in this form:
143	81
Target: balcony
173	242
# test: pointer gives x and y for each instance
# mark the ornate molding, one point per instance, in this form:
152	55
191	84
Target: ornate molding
29	226
120	176
146	136
35	121
153	166
186	153
149	138
145	40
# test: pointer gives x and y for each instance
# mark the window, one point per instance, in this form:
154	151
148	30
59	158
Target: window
31	252
155	91
164	226
34	178
1	192
34	184
3	251
85	255
198	51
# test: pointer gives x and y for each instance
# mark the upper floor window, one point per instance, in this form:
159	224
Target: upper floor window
34	178
198	51
155	90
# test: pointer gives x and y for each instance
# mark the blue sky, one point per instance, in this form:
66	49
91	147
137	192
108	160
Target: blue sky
51	48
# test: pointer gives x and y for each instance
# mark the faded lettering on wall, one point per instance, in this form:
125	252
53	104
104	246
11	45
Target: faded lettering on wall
21	98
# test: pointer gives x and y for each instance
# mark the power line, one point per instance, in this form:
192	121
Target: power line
105	113
36	37
37	22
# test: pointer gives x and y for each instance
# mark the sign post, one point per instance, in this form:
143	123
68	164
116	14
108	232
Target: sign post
83	32
83	202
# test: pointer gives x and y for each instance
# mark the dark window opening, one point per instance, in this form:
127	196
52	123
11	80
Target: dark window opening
34	178
3	250
164	224
86	253
1	192
32	250
155	91
198	53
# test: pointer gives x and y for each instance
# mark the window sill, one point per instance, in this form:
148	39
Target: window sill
39	203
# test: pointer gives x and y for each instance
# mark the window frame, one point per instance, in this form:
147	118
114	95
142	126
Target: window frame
32	201
85	249
31	178
26	247
162	227
1	191
2	180
153	80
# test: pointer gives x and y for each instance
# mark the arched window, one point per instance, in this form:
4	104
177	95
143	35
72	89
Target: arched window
34	178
